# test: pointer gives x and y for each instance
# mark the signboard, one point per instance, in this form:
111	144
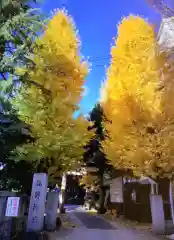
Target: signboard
37	203
116	190
12	207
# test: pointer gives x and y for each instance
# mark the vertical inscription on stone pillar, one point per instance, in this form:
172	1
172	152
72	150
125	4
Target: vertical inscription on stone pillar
37	203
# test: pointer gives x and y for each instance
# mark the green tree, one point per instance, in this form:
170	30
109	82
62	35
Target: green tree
93	156
16	175
19	25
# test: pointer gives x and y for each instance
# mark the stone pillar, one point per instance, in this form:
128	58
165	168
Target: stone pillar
51	210
37	203
157	211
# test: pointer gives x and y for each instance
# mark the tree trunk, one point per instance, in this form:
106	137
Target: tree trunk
42	166
101	209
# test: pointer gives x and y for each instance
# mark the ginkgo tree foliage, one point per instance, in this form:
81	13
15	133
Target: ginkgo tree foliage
50	103
163	139
139	132
89	180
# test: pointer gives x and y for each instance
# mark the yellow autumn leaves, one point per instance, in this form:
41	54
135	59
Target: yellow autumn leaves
137	100
48	104
138	110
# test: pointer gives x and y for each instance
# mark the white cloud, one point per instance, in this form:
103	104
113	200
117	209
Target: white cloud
86	115
102	96
86	91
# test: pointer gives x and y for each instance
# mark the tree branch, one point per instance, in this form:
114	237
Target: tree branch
44	90
162	7
29	81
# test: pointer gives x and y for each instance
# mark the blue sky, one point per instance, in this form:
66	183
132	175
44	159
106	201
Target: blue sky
97	22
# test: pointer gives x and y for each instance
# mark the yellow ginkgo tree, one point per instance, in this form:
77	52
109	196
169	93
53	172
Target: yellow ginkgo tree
49	104
163	139
131	98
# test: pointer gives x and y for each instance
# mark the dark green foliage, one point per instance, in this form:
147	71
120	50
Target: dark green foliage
93	155
20	24
16	175
96	116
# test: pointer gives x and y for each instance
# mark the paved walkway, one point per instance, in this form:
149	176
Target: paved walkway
93	222
96	234
91	227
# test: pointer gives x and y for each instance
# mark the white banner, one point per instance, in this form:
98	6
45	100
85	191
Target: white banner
12	207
